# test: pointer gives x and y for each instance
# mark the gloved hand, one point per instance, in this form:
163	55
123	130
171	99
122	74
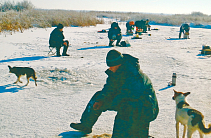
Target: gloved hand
97	105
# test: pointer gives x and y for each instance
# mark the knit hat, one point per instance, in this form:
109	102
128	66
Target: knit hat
60	26
114	24
114	58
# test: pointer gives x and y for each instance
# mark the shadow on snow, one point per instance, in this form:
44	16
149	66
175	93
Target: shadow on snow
167	87
176	39
23	59
95	47
203	56
72	134
10	88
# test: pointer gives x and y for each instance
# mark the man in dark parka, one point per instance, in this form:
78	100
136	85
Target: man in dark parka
184	28
130	27
129	92
114	33
56	40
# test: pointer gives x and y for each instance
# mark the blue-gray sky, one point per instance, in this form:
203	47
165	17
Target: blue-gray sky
146	6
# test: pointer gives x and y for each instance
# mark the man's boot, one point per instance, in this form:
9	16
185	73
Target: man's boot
65	51
180	35
81	127
117	43
89	117
111	43
65	47
58	51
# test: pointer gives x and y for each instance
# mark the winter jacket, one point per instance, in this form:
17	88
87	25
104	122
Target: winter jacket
56	38
129	89
114	32
184	27
128	26
140	24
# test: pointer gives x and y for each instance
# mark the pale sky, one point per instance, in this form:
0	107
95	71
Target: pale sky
146	6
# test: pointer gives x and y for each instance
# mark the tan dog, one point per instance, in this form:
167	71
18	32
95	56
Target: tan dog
190	118
19	71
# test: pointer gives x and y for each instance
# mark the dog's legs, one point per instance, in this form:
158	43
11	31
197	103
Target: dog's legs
34	78
177	129
190	132
184	131
35	82
18	79
201	134
27	81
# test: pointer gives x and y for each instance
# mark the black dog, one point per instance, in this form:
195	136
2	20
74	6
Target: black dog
20	71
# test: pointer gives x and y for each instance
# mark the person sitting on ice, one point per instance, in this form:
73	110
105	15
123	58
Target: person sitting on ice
185	28
56	40
114	33
130	27
129	92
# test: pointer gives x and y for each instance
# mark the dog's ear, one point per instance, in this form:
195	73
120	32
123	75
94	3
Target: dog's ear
9	67
175	91
186	94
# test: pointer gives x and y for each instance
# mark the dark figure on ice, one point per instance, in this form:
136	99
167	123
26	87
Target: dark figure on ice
130	27
114	33
56	40
139	26
185	28
129	92
147	26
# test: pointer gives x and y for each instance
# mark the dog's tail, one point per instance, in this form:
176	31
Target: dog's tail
203	128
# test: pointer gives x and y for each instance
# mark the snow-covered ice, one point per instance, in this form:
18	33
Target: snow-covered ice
66	84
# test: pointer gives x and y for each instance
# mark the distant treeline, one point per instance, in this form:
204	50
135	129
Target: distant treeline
19	6
23	15
164	19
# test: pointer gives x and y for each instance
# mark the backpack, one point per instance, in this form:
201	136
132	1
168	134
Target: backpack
150	107
125	44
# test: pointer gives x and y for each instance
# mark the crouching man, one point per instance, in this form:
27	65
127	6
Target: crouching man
114	33
184	28
129	92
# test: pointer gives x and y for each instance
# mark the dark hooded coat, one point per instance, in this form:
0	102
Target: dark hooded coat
112	31
56	38
129	89
184	27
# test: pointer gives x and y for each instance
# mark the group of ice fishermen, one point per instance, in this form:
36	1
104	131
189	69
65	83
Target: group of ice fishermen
114	32
57	38
128	90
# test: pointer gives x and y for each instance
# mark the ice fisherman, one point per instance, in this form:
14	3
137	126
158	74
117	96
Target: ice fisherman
184	28
141	26
114	33
57	40
129	92
147	26
130	27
